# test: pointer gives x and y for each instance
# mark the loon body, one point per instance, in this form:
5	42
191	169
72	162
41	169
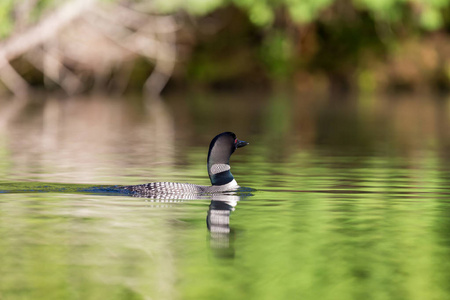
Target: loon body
220	150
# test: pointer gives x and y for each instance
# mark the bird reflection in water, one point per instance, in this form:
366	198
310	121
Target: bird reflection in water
218	223
218	216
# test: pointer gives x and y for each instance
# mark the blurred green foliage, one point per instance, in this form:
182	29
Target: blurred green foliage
277	52
262	40
429	14
263	12
6	20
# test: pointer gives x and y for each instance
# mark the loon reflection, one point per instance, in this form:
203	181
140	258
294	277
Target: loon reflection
218	216
218	224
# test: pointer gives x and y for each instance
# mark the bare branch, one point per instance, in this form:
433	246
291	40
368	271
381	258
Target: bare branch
46	29
51	66
13	81
100	38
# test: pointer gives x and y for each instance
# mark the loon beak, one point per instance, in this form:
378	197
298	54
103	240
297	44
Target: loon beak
240	144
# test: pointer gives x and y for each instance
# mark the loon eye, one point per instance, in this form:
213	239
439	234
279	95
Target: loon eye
235	141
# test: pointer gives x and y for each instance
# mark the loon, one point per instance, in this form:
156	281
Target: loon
218	163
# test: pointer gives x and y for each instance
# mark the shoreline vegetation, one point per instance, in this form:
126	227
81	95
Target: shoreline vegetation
81	46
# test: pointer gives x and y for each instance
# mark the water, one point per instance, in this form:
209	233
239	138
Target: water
352	201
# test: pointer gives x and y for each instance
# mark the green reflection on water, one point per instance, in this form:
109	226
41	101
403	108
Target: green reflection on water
347	206
319	227
64	246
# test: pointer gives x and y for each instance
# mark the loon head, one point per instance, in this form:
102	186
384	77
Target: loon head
220	150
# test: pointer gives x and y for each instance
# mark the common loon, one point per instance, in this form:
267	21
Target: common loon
220	150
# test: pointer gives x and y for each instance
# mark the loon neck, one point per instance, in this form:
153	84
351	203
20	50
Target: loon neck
221	178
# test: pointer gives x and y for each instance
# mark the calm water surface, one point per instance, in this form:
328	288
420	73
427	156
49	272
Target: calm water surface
350	203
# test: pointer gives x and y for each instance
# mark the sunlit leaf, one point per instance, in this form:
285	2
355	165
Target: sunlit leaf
431	19
261	14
